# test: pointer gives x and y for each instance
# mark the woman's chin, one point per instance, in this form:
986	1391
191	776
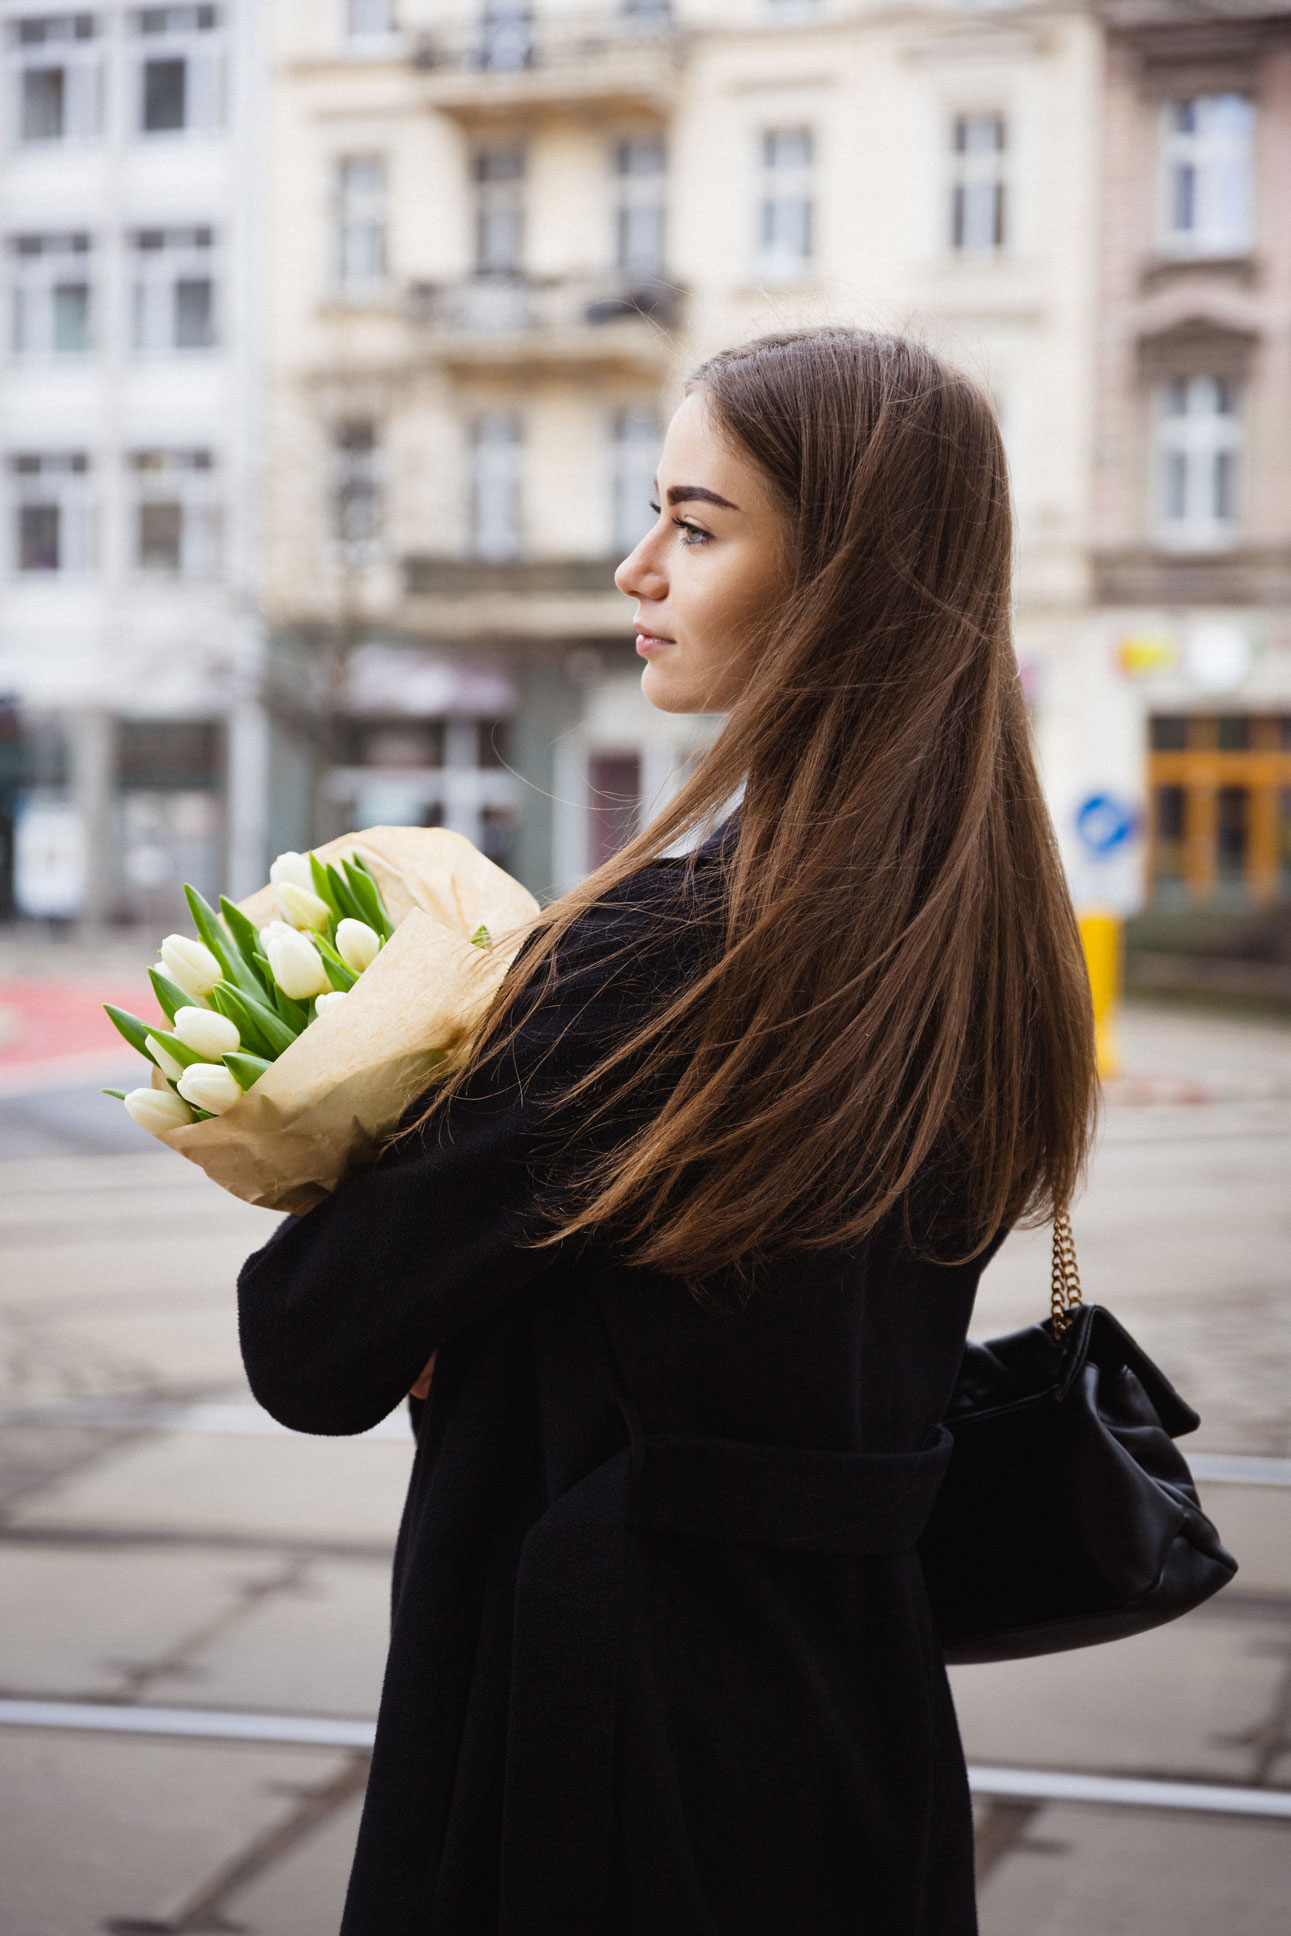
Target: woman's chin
661	691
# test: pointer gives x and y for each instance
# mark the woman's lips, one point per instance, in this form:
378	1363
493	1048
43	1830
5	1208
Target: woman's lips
651	641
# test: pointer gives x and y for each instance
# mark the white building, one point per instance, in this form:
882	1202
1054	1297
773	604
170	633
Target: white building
129	437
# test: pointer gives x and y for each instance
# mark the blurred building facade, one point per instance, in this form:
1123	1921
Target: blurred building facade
500	239
129	392
1172	729
341	334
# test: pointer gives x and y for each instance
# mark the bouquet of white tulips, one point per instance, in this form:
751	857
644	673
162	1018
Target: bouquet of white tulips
300	1024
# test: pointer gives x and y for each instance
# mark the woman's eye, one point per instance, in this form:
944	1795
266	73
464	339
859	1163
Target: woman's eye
691	534
656	508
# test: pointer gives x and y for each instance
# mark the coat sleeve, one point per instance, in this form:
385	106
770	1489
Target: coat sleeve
341	1309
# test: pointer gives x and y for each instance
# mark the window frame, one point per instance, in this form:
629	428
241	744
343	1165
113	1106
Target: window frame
786	187
147	284
640	193
70	495
32	293
971	169
496	463
1206	153
1187	448
77	55
360	211
186	477
202	53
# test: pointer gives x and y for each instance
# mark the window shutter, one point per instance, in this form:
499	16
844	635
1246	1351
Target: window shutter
83	99
206	90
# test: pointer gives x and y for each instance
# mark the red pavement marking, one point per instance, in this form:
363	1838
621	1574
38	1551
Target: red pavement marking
41	1021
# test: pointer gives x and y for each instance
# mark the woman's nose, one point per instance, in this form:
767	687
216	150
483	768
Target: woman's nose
639	577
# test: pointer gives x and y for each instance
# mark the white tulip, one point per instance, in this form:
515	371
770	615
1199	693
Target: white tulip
300	907
209	1034
291	867
297	966
210	1086
162	1056
324	1002
157	1110
275	927
191	964
357	944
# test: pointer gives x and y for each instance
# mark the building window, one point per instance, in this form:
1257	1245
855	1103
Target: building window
52	516
56	77
173	302
369	19
1199	440
1208	154
179	68
614	803
978	191
499	172
787	216
51	294
495	485
177	515
636	437
356	498
639	164
361	223
506	36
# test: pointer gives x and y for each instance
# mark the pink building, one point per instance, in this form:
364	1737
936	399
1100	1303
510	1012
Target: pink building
1191	501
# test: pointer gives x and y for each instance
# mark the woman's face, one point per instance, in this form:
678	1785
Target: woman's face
708	568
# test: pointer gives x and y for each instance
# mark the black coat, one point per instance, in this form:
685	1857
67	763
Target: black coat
662	1662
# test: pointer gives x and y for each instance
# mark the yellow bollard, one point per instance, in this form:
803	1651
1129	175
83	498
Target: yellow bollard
1100	935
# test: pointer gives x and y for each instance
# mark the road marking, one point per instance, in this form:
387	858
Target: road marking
1124	1791
202	1724
319	1731
1235	1469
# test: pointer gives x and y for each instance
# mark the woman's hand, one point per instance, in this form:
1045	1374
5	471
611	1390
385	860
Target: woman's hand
422	1387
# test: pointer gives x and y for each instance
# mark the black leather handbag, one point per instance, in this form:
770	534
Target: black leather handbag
1066	1516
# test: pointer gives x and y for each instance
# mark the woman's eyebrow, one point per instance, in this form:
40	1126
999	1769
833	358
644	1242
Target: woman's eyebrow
684	493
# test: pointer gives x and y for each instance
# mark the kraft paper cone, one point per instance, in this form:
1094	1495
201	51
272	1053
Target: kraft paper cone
325	1105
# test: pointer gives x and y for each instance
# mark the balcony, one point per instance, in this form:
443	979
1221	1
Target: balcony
553	322
513	599
507	60
428	575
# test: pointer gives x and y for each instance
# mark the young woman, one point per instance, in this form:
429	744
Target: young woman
692	1243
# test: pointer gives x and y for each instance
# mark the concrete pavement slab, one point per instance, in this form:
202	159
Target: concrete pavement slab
65	1271
95	1828
1127	1872
318	1646
187	1346
302	1895
298	1487
1171	1702
94	1624
1255	1524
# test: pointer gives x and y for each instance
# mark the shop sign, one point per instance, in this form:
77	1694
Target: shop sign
1219	655
1140	655
1104	823
50	858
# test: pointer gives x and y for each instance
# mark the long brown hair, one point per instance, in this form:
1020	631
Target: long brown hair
897	1020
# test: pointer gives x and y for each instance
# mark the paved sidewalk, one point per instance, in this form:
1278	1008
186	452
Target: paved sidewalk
163	1552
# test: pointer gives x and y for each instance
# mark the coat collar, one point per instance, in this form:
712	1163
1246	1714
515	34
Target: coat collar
712	848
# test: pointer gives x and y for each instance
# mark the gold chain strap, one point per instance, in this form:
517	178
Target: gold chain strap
1064	1293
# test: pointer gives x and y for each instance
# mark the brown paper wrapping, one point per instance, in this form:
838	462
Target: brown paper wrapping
327	1102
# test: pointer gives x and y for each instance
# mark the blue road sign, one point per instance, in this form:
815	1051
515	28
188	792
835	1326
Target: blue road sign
1105	823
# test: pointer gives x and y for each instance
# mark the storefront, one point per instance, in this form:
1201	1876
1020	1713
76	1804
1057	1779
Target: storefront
1219	787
